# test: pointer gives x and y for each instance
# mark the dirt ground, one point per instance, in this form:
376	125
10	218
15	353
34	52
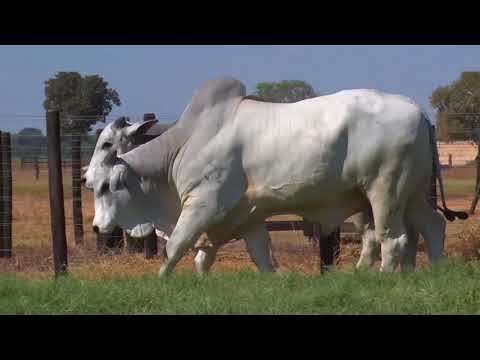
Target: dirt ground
32	249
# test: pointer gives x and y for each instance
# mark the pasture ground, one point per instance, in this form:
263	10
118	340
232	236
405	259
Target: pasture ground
444	289
26	287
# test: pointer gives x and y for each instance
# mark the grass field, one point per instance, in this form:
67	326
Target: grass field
446	289
127	283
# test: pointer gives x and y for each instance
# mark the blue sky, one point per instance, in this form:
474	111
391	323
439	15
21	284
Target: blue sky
162	79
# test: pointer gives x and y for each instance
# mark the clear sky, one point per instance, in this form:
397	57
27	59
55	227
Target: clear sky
162	79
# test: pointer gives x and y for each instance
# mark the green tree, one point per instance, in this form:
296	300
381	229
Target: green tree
82	101
285	91
458	107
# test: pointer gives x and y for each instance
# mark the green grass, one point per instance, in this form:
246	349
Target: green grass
445	289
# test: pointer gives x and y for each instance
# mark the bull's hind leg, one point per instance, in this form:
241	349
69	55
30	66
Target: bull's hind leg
430	224
370	247
409	260
204	259
388	213
392	234
258	242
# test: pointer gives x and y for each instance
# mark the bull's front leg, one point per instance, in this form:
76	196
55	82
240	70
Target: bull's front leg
197	216
193	221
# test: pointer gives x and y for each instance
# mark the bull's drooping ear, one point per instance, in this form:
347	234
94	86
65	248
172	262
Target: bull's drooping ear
138	129
118	178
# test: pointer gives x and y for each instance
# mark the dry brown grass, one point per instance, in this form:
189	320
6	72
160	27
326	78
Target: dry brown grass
467	245
33	253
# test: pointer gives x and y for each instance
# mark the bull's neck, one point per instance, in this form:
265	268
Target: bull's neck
154	160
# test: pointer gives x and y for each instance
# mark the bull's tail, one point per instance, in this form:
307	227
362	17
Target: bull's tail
450	215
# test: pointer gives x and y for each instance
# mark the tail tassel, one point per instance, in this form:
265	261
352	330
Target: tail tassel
451	215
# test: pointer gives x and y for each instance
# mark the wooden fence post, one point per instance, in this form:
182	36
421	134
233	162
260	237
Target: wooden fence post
161	246
147	244
151	247
2	202
77	189
55	185
329	247
134	245
7	194
36	167
477	182
112	242
433	188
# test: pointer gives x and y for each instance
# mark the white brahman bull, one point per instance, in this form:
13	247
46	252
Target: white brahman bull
122	136
221	171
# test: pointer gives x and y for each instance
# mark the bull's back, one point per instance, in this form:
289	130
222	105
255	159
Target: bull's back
327	144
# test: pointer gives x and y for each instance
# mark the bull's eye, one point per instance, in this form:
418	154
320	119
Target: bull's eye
104	188
106	146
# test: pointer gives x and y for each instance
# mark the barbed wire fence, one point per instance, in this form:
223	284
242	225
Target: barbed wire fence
24	162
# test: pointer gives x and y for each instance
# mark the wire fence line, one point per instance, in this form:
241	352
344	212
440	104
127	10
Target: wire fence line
30	200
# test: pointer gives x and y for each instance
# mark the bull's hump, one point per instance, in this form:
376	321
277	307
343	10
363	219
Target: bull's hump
215	91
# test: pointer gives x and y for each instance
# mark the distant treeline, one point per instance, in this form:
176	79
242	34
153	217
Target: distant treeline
31	143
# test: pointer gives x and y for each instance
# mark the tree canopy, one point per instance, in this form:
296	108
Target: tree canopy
81	100
285	91
458	107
